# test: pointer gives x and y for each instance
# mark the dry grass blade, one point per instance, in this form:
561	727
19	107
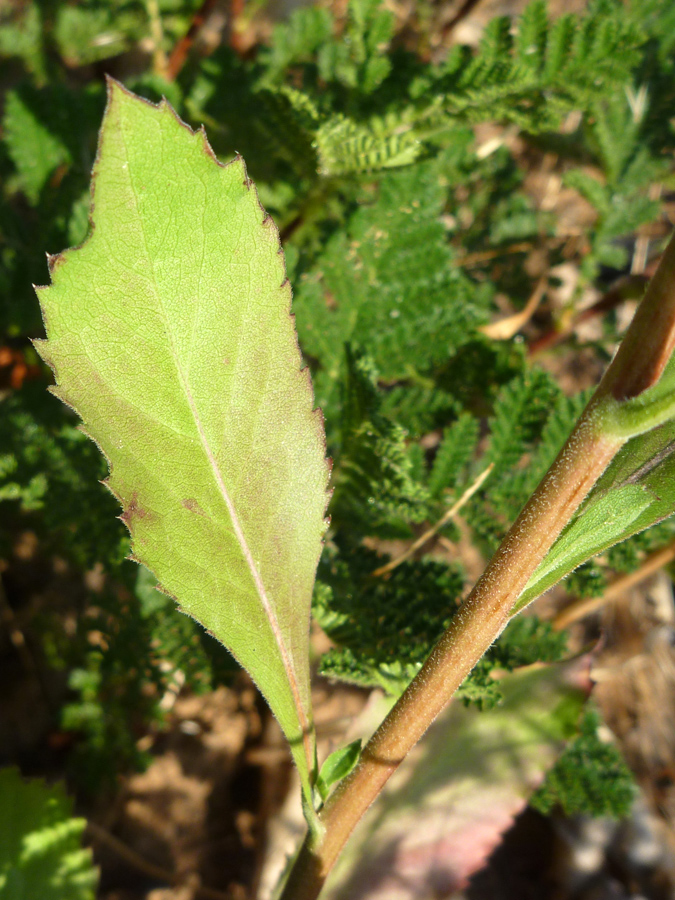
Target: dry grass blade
585	606
505	329
445	518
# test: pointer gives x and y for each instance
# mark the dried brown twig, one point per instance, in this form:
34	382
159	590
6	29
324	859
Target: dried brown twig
505	329
585	606
135	859
445	518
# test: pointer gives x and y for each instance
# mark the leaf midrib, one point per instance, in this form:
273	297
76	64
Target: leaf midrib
213	463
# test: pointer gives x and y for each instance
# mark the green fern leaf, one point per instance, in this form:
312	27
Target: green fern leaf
34	148
457	448
375	492
41	852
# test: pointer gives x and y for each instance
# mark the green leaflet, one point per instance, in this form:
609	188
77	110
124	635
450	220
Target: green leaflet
337	766
636	491
169	333
41	854
383	143
590	776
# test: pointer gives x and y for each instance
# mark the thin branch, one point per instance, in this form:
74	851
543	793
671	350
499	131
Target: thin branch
159	62
474	259
486	611
585	606
150	869
482	256
180	52
445	518
464	10
630	287
641	251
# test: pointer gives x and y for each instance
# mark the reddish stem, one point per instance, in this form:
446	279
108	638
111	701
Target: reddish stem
481	618
180	52
475	626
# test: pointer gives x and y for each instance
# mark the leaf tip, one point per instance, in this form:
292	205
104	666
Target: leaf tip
54	260
239	160
206	146
114	90
117	92
41	346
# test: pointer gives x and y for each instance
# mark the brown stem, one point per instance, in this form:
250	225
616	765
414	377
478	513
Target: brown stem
649	341
157	36
474	627
180	52
481	618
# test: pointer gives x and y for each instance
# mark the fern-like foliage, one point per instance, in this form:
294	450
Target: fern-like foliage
590	777
41	853
344	145
375	492
297	41
120	684
543	72
359	61
526	640
388	282
384	628
353	56
532	79
364	153
616	135
530	423
457	449
525	451
49	480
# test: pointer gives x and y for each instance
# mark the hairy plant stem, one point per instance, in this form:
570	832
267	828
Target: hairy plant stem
486	611
479	621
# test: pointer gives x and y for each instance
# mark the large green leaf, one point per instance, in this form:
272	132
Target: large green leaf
169	331
41	854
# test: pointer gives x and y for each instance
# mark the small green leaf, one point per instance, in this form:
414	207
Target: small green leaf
170	334
636	492
644	413
337	766
41	853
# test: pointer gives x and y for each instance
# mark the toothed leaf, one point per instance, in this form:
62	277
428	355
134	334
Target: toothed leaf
169	332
